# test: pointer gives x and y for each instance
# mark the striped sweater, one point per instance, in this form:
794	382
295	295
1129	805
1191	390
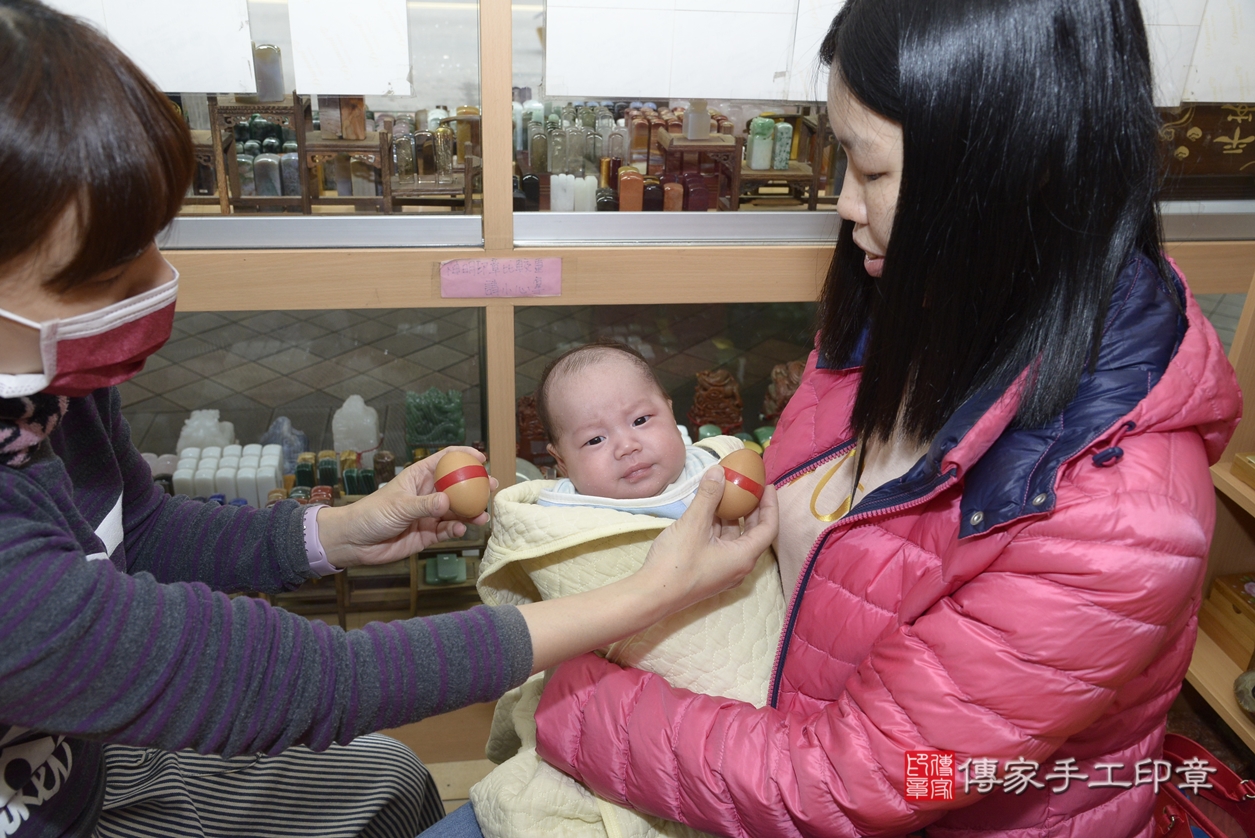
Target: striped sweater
115	627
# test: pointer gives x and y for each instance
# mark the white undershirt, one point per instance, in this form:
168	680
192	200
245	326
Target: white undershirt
799	526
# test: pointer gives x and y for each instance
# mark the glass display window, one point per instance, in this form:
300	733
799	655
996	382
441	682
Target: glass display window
305	108
603	141
602	144
366	380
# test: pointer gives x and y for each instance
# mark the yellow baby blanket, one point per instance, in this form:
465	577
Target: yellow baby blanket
724	646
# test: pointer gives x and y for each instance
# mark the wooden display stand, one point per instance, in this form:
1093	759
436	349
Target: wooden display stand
375	151
355	591
293	112
798	174
799	177
824	153
395	586
459	191
718	160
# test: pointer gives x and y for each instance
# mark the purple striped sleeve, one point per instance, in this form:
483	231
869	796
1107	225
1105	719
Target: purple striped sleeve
145	659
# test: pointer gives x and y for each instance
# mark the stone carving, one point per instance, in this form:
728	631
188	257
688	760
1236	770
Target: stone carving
717	401
785	379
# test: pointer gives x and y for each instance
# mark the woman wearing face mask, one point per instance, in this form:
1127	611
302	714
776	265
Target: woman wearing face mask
118	644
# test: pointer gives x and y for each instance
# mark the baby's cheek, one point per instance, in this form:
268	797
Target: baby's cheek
596	474
675	463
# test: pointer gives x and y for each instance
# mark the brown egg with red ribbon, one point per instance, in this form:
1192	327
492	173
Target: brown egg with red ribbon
465	481
745	477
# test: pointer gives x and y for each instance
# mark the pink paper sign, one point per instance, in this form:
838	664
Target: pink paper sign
501	278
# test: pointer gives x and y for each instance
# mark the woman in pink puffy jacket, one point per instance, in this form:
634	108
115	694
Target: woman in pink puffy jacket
993	482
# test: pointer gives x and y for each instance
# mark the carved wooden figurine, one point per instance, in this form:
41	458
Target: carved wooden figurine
785	379
717	401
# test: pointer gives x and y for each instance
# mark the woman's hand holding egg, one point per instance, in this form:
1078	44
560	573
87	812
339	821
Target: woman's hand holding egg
410	513
703	553
695	557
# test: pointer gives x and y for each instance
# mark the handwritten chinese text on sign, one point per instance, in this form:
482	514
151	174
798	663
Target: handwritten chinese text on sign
478	278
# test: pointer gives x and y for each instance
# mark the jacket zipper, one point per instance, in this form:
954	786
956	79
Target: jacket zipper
885	506
788	477
813	463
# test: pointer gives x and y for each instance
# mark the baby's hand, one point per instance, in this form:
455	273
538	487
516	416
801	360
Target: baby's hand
700	555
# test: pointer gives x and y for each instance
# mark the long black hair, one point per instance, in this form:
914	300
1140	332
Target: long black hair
82	128
1030	168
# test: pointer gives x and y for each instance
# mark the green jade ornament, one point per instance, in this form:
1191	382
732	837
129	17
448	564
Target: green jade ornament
759	147
782	149
707	431
434	419
305	475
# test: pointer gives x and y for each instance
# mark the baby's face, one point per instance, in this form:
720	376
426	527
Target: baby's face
617	437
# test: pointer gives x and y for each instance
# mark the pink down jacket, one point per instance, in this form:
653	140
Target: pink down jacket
1022	595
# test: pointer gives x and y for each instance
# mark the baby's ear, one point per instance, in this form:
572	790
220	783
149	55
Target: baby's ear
553	452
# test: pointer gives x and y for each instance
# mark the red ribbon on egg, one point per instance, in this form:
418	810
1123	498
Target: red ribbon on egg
460	474
738	479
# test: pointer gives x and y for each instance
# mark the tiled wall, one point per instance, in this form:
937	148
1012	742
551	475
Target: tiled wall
1223	310
255	366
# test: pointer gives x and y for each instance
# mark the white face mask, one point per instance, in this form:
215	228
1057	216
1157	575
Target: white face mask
99	348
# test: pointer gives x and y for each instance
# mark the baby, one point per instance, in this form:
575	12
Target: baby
614	435
628	475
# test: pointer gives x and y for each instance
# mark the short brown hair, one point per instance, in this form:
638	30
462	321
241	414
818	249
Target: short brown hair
82	127
574	360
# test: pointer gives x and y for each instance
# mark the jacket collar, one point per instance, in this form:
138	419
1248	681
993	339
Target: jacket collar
1010	471
854	360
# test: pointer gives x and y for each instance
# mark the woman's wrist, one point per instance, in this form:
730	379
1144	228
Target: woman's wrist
645	595
314	551
568	626
331	538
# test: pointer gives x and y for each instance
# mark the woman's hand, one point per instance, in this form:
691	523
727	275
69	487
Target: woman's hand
696	557
701	555
402	518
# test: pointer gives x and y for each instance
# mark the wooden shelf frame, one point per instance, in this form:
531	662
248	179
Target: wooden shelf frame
1212	673
1227	483
243	280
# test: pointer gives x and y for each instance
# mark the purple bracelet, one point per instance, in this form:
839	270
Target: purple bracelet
313	547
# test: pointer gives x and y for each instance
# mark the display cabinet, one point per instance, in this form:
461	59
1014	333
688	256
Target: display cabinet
669	267
383	118
1213	669
250	263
